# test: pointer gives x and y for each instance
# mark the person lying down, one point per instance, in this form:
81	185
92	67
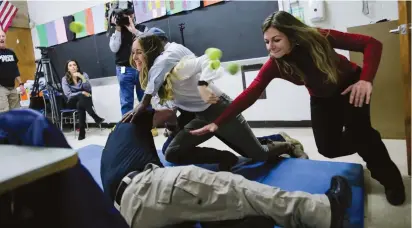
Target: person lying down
150	195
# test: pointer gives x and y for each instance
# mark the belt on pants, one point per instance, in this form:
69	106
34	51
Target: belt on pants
122	187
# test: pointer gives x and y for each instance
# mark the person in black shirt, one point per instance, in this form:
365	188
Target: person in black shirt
9	73
130	147
121	43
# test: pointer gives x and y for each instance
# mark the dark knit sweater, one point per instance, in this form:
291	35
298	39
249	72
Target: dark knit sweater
129	148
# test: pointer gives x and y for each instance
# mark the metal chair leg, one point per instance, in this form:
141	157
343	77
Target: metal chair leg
61	121
74	123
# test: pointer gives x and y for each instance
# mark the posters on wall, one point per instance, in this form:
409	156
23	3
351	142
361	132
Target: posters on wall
95	19
211	2
99	19
57	32
148	10
177	6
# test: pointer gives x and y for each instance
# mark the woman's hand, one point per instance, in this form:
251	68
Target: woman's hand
131	26
113	21
130	116
79	76
210	128
360	92
76	76
87	94
207	95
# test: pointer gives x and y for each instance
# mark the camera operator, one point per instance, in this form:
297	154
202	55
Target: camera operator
121	43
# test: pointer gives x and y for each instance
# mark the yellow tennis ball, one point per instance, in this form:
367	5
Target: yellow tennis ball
214	53
214	64
232	68
76	27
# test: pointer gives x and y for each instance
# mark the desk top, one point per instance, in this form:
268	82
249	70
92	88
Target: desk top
20	165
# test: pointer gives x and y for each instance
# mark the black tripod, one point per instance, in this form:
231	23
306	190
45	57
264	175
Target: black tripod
182	27
52	87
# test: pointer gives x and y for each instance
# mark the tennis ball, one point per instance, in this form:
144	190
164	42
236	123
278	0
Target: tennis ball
214	64
232	68
76	27
213	53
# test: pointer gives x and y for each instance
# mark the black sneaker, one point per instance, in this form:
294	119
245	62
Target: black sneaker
227	164
99	121
395	195
340	197
82	134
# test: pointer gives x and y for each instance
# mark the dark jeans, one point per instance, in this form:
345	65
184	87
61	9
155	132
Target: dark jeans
236	133
128	82
341	129
83	104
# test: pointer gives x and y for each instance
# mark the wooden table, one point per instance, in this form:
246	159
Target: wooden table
20	165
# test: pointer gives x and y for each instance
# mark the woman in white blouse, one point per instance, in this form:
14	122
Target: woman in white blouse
180	83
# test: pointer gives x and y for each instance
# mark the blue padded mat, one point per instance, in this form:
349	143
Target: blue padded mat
289	174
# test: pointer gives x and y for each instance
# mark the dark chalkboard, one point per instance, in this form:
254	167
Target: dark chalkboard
232	26
92	53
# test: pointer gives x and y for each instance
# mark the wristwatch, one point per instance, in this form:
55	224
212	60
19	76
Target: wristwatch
202	83
21	84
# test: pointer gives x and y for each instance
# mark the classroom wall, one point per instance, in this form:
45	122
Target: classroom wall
343	14
285	102
41	12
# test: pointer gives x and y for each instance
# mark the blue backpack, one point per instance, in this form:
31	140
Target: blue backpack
70	198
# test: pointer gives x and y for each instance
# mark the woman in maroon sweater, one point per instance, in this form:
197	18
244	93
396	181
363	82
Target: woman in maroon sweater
340	92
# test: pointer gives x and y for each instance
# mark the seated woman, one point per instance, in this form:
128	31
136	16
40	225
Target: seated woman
77	89
180	83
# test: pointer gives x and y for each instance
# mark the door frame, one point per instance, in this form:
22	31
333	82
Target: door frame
404	9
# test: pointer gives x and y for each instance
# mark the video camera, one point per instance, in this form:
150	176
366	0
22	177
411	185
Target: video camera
44	51
121	14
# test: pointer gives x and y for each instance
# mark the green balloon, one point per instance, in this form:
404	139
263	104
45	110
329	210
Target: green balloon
214	53
214	64
232	68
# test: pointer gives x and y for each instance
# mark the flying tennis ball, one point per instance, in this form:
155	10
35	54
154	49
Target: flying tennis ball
76	27
213	53
232	68
214	64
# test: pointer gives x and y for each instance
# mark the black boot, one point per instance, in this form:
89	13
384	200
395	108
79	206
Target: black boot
82	133
395	195
227	163
340	197
98	120
394	187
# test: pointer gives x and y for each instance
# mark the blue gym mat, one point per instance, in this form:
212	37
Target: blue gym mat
289	174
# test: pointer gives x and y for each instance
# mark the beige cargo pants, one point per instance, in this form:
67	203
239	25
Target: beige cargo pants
164	196
9	99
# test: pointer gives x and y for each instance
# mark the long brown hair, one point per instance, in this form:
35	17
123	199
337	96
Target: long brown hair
322	53
67	73
152	47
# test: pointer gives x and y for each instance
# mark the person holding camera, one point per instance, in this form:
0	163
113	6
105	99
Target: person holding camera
9	73
121	43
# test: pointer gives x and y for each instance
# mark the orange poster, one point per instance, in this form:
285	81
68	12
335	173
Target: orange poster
211	2
89	21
